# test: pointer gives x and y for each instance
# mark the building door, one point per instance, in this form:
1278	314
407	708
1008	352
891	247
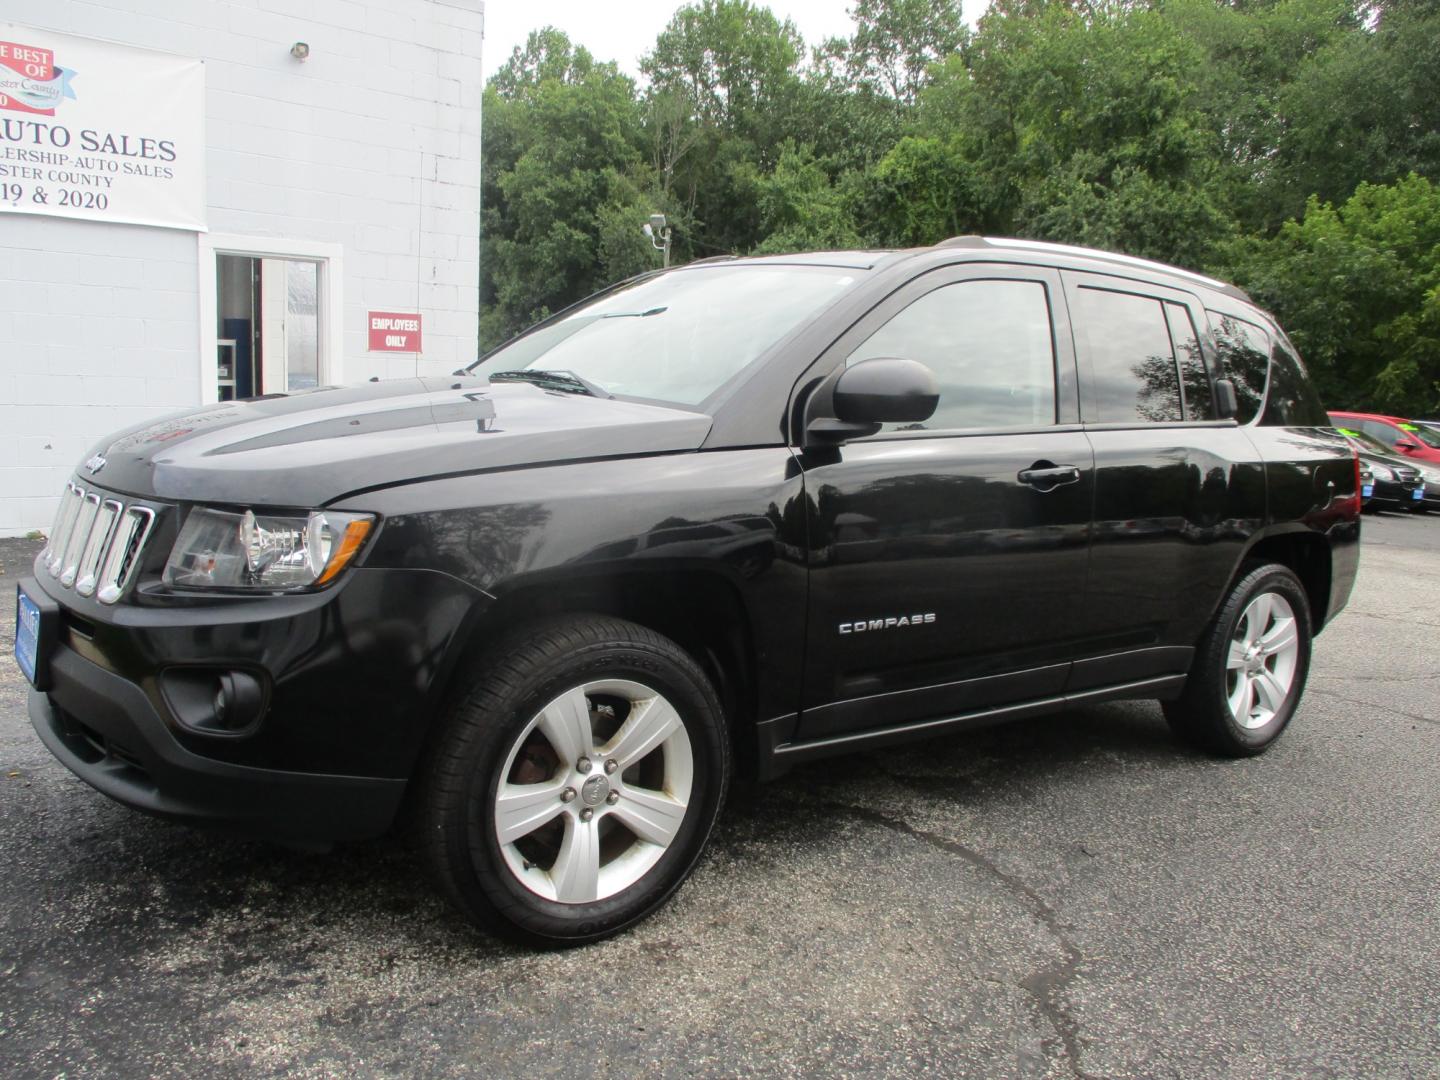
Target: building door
267	325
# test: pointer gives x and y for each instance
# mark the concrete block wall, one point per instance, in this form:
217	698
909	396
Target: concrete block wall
371	144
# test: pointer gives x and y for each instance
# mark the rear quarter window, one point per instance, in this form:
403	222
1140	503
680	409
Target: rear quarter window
1292	400
1244	350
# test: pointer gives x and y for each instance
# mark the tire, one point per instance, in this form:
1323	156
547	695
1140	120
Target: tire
586	853
1215	713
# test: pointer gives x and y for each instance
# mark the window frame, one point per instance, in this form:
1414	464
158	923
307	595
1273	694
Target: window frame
1075	280
1067	411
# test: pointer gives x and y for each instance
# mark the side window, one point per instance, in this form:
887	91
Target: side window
1244	358
990	346
1292	400
1132	364
1194	379
1384	432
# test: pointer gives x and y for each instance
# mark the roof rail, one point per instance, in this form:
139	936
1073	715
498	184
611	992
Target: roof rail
1097	254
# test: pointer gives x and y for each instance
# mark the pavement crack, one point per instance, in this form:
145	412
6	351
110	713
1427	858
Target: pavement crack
1046	986
1417	717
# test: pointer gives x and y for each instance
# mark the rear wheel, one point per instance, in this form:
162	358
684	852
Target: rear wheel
576	784
1250	669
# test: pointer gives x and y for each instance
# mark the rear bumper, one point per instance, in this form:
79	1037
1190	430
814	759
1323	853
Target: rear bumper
104	729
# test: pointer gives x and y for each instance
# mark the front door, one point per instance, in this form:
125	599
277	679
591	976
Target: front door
948	559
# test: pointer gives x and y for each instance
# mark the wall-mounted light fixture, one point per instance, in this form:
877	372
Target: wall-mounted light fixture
300	50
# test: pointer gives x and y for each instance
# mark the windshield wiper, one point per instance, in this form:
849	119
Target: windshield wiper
566	381
635	314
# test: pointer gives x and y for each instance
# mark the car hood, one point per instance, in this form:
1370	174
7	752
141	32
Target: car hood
313	447
1394	461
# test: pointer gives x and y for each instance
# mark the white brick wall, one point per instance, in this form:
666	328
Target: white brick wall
372	144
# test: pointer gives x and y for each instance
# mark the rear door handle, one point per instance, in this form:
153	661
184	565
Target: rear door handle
1046	475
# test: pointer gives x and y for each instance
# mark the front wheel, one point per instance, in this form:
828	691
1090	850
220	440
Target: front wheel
575	785
1250	668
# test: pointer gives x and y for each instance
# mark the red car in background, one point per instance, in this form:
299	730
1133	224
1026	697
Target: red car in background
1412	440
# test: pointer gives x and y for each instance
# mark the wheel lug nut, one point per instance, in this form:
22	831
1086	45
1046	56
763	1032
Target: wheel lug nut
586	814
584	765
611	765
613	798
568	795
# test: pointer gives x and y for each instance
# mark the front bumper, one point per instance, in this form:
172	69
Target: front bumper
123	749
352	678
1396	495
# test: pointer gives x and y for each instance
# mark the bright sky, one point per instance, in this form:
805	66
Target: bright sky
623	30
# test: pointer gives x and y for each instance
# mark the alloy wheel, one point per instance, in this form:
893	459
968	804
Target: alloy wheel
1262	660
593	791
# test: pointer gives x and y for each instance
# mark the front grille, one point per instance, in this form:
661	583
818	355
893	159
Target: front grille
96	544
1406	473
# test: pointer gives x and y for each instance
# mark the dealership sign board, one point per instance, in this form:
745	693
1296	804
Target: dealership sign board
103	132
394	331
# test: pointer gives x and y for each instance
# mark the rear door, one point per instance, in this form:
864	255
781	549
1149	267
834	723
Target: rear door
1177	491
948	559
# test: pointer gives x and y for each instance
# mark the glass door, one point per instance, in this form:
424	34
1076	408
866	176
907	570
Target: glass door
267	325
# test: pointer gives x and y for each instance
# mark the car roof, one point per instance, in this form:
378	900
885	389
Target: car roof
868	260
850	260
1369	415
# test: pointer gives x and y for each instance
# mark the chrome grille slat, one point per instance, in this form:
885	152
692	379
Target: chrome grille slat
64	525
124	554
97	544
100	536
79	538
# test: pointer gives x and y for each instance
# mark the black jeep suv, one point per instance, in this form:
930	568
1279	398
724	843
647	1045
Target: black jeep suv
756	510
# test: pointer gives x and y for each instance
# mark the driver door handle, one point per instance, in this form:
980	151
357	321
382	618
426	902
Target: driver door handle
1046	475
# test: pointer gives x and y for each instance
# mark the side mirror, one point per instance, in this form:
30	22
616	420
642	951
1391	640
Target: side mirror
855	401
1227	403
1406	445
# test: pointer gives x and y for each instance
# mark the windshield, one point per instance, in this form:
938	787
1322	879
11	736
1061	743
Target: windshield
1368	442
1424	435
678	337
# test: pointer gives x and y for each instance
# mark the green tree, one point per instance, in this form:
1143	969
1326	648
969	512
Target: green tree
1358	288
800	208
724	88
563	168
894	44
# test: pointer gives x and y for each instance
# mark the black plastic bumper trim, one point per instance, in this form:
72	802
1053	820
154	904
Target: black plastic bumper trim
104	729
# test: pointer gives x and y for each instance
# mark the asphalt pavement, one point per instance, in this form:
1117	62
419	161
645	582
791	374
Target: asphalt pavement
1075	896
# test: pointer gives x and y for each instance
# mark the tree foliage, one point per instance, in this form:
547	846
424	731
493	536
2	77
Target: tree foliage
1283	143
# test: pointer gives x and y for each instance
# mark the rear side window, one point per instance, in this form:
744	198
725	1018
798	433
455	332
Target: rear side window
1292	400
1132	364
1194	379
1244	349
990	346
1384	432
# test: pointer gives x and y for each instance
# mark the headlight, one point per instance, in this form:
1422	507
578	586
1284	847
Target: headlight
268	552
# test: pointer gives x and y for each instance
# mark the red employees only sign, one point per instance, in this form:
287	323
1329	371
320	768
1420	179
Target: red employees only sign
394	331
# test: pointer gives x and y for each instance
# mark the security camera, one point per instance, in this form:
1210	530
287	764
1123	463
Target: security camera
647	230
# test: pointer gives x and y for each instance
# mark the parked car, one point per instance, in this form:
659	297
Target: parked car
1398	484
1367	486
765	510
1413	441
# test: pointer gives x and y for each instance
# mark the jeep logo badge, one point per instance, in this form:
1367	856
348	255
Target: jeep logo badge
95	464
594	790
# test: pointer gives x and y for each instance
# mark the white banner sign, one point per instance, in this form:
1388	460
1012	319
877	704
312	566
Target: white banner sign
104	132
